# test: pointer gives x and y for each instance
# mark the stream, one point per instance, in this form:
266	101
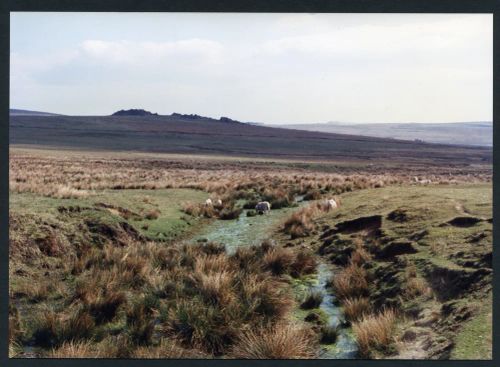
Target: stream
248	231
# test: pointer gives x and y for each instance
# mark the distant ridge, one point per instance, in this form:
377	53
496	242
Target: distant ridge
134	112
18	112
180	134
476	133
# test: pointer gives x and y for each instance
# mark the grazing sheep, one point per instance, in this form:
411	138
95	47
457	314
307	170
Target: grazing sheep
218	202
331	204
208	202
263	207
425	182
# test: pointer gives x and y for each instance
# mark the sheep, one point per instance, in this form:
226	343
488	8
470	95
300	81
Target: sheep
330	204
263	207
208	202
218	202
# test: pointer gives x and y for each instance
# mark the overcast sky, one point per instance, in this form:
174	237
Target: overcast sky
274	68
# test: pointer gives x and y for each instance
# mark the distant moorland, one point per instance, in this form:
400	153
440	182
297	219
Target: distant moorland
462	133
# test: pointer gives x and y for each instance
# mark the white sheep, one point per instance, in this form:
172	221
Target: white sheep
330	204
263	207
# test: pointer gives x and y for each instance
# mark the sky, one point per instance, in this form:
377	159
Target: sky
271	68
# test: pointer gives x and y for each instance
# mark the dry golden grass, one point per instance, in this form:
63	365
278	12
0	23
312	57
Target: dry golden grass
350	282
15	330
76	349
167	349
415	285
279	342
34	291
77	175
356	308
375	332
301	222
360	256
278	260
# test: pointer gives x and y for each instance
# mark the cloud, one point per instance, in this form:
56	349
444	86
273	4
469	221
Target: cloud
373	40
137	53
97	60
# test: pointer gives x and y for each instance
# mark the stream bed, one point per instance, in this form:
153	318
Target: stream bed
248	231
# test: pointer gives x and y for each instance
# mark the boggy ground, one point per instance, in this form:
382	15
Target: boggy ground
84	282
414	268
100	266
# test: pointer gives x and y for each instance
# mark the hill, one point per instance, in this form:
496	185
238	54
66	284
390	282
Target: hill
460	133
192	134
18	112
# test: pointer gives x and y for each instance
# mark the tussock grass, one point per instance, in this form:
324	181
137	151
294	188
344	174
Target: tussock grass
350	282
356	308
140	323
279	342
152	214
52	329
415	285
67	192
278	260
360	256
226	211
301	222
35	292
75	349
305	263
15	330
375	332
167	349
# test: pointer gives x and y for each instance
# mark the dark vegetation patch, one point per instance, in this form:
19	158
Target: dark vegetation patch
134	112
450	283
396	248
312	300
368	224
464	221
398	215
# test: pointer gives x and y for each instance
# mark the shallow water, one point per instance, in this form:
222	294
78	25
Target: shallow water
247	231
345	346
244	231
